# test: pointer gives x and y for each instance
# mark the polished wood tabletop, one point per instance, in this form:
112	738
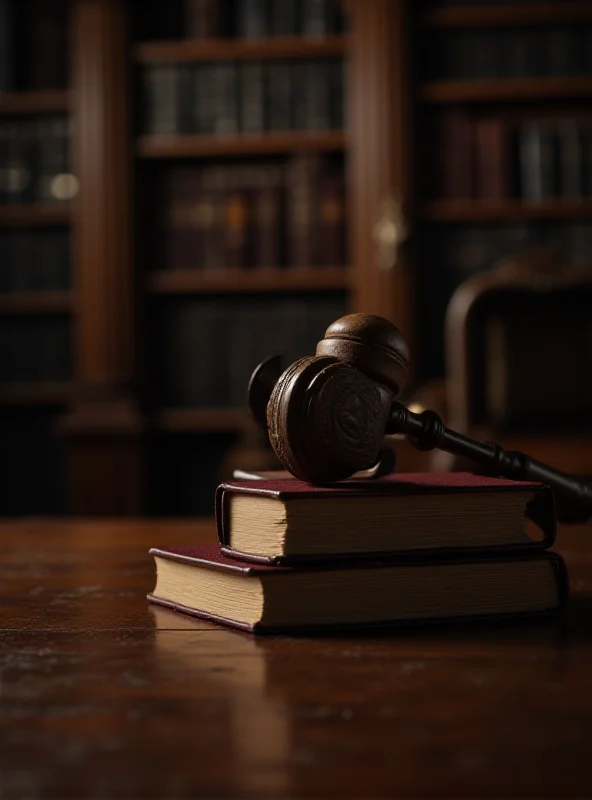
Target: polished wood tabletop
103	695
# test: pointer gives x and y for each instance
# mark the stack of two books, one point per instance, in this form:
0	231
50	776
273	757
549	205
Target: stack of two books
404	549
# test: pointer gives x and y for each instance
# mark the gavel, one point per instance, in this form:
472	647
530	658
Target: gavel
327	415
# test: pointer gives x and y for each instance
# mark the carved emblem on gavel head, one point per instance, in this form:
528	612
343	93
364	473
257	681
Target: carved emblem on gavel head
327	414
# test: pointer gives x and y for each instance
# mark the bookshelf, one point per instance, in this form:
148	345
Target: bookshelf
36	292
139	291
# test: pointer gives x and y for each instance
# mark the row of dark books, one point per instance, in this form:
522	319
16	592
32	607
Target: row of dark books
289	213
228	98
35	349
534	160
33	44
35	260
469	249
244	19
34	161
502	53
205	349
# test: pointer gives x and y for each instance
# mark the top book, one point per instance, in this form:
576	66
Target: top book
286	520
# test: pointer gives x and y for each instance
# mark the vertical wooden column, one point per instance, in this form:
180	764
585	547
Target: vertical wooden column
380	136
104	426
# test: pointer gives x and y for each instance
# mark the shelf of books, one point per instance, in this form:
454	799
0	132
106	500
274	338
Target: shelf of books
242	146
36	192
504	104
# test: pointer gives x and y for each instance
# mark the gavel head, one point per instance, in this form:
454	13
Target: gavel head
326	414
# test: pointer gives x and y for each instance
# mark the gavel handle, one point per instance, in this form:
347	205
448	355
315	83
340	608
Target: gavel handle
427	431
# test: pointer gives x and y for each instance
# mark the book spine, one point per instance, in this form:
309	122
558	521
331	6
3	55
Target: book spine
531	162
214	218
283	18
225	94
268	217
338	99
492	159
332	218
571	156
316	17
252	19
237	211
302	189
187	215
318	96
204	101
22	268
279	96
299	93
5	138
20	166
7	45
53	181
252	98
162	100
457	162
201	19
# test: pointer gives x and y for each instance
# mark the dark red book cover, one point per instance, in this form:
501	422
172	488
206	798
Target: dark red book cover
540	510
457	147
492	159
212	558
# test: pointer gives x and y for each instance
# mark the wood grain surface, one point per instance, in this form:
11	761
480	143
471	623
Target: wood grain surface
102	695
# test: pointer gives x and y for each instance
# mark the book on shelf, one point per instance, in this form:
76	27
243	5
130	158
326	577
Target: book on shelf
522	52
258	19
262	598
206	348
491	158
34	260
285	521
228	98
34	161
274	214
35	349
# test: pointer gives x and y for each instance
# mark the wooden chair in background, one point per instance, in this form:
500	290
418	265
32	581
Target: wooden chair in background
519	359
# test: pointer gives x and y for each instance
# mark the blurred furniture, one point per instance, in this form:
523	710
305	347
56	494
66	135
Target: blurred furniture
115	698
519	346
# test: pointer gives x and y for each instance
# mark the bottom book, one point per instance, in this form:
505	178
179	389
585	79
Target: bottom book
204	583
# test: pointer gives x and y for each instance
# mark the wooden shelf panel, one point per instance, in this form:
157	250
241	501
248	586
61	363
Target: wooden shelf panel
43	394
36	302
215	49
508	210
202	419
15	103
244	281
266	144
504	89
33	214
508	14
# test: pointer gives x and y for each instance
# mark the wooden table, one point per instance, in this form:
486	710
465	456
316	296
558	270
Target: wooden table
103	696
